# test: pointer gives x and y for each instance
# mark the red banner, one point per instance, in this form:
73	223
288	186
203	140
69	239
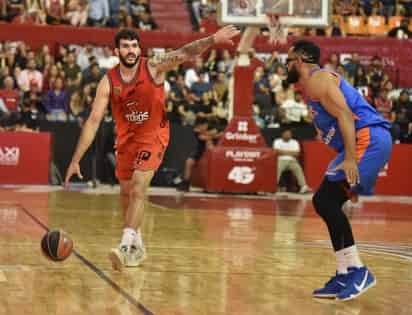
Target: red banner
24	157
392	181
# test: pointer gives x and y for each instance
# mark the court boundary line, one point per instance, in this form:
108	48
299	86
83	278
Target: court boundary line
93	268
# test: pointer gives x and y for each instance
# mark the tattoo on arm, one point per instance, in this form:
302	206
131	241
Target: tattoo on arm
166	62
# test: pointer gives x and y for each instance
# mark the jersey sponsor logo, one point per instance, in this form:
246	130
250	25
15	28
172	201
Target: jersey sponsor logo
137	117
9	155
132	103
241	175
242	155
143	156
117	90
329	136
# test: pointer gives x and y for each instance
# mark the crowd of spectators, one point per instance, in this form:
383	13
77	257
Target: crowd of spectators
101	13
395	13
60	86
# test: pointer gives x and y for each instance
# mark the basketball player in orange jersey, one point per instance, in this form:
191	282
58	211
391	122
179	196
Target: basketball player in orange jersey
135	90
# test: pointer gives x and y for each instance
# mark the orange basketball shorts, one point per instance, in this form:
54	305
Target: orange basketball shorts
144	155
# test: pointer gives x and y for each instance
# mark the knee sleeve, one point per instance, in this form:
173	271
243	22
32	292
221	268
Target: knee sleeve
330	195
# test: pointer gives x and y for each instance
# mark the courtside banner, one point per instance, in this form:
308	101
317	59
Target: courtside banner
24	157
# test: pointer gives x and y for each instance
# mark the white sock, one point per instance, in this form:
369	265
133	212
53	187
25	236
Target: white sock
137	240
352	258
341	262
128	236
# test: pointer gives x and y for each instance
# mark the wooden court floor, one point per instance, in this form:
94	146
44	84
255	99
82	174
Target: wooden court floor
207	255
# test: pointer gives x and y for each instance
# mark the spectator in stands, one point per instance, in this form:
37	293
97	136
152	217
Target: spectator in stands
360	79
55	11
335	30
108	60
294	111
72	71
352	65
30	77
99	12
276	79
225	65
36	9
84	54
211	64
407	6
333	62
220	88
75	109
94	77
209	22
178	90
402	31
12	8
206	107
49	76
201	86
288	150
55	101
189	109
262	95
77	11
192	74
286	93
387	8
30	113
9	95
146	22
403	116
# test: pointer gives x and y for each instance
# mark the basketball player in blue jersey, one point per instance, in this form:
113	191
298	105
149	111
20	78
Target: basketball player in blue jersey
361	137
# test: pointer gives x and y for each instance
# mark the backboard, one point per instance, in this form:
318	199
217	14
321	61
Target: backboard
315	13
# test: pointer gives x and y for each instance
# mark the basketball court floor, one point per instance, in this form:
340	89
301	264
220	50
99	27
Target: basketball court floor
207	255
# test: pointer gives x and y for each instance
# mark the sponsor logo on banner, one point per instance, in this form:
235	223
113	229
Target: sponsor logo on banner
241	175
251	138
242	155
242	126
9	155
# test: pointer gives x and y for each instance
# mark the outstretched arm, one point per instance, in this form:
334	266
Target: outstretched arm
89	130
163	63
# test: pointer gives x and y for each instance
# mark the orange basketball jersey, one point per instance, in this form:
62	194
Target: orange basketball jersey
138	107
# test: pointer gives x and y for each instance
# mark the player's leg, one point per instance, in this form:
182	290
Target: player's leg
187	174
371	160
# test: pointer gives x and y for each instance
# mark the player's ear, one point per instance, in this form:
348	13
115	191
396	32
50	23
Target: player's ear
116	51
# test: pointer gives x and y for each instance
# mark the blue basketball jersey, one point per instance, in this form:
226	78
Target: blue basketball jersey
365	115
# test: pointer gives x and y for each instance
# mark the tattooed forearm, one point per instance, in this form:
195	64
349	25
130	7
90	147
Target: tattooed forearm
198	46
172	59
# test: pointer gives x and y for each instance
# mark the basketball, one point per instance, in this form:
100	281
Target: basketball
56	245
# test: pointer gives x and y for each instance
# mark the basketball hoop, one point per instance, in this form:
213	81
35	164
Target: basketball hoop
278	32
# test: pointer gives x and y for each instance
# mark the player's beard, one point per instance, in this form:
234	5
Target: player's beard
127	64
293	75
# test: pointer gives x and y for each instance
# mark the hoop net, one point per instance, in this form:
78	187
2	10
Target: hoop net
278	32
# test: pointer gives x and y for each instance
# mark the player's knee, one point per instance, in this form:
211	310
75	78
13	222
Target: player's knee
137	193
319	201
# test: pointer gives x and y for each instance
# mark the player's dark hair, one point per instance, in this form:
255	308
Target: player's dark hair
126	33
309	51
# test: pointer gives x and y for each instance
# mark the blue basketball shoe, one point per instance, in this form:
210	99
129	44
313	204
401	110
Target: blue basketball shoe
358	282
334	286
